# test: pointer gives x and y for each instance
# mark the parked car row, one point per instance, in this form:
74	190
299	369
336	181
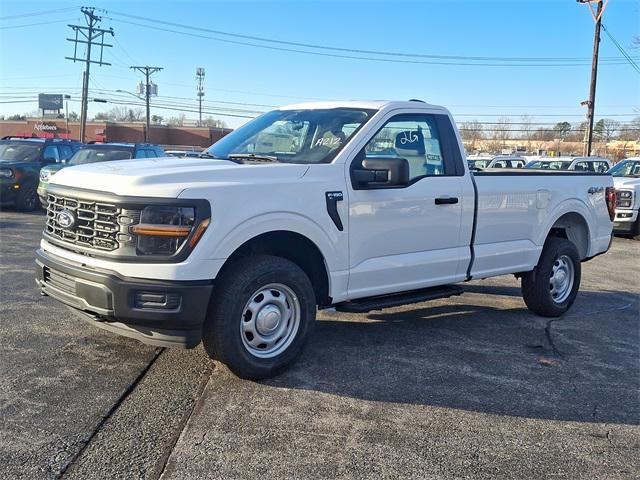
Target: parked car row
585	164
27	164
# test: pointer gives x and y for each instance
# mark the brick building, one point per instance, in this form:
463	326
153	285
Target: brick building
106	131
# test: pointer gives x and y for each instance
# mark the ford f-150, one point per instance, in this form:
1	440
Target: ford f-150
349	205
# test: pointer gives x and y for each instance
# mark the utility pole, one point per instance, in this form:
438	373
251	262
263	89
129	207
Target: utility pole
147	72
89	35
591	103
200	92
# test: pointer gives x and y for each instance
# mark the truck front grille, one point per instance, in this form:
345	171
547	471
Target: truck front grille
93	224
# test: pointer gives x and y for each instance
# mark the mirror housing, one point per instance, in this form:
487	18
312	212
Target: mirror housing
49	160
389	172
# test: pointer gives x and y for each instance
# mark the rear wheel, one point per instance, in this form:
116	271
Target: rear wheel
551	288
262	311
27	198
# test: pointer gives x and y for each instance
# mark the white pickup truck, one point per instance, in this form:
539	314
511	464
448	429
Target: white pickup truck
626	180
352	205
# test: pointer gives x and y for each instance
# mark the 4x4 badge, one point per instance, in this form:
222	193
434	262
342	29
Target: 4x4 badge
66	219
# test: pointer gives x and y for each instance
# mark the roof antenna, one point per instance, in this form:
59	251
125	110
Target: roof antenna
416	100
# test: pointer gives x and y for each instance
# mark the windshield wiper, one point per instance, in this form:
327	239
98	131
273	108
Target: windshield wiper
253	157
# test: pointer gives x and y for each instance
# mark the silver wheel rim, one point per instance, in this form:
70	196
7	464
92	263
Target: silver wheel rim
270	320
561	278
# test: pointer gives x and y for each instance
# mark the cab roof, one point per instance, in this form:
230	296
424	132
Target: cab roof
359	104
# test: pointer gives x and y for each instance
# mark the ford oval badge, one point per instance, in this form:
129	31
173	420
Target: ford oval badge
66	219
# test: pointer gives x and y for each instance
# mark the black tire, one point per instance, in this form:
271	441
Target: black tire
27	199
236	286
636	229
536	285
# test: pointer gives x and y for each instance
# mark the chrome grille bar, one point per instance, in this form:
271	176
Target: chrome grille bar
96	223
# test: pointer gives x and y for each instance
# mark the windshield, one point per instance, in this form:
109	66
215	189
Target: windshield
92	155
292	136
550	165
11	151
627	168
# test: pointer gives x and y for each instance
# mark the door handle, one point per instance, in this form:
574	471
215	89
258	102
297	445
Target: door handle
446	200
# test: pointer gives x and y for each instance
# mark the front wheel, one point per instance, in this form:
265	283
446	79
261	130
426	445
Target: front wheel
27	198
551	288
261	313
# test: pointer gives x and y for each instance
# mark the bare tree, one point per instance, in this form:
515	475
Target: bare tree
527	129
501	132
472	132
608	131
213	122
177	121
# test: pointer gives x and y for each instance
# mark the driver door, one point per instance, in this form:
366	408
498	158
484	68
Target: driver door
406	237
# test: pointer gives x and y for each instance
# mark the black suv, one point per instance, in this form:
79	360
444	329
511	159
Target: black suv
20	162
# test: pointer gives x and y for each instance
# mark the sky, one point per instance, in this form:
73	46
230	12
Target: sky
254	78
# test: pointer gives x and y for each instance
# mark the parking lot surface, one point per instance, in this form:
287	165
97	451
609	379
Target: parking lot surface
469	387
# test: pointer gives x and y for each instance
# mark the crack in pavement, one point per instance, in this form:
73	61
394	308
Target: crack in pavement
112	410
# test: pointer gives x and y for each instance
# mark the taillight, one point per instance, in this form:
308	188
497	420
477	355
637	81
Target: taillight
610	195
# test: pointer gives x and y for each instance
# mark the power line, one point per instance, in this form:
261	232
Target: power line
33	24
88	36
41	12
348	50
354	57
622	50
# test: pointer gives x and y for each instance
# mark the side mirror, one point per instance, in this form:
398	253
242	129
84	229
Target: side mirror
49	160
381	173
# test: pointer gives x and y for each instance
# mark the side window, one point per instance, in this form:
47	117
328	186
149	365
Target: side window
150	153
413	137
141	153
65	151
51	152
600	167
582	166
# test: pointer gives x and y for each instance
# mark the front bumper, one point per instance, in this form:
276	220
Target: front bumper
42	194
157	312
626	221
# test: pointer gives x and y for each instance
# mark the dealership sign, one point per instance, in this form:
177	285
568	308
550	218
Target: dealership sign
45	127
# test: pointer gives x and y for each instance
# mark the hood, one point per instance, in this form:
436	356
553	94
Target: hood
169	176
14	163
54	168
626	182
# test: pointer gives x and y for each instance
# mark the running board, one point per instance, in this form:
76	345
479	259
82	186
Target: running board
364	305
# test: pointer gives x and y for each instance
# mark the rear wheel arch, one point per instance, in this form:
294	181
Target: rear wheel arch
573	227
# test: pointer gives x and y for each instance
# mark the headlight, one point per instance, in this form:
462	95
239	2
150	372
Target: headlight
624	203
45	175
624	193
6	173
164	229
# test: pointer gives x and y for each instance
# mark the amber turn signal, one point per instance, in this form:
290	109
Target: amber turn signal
199	232
161	230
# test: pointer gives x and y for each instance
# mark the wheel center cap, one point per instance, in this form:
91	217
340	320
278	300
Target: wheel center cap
268	319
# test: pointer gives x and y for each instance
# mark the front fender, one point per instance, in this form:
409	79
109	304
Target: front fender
326	242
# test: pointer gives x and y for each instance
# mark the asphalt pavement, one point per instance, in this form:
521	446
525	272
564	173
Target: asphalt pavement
468	387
